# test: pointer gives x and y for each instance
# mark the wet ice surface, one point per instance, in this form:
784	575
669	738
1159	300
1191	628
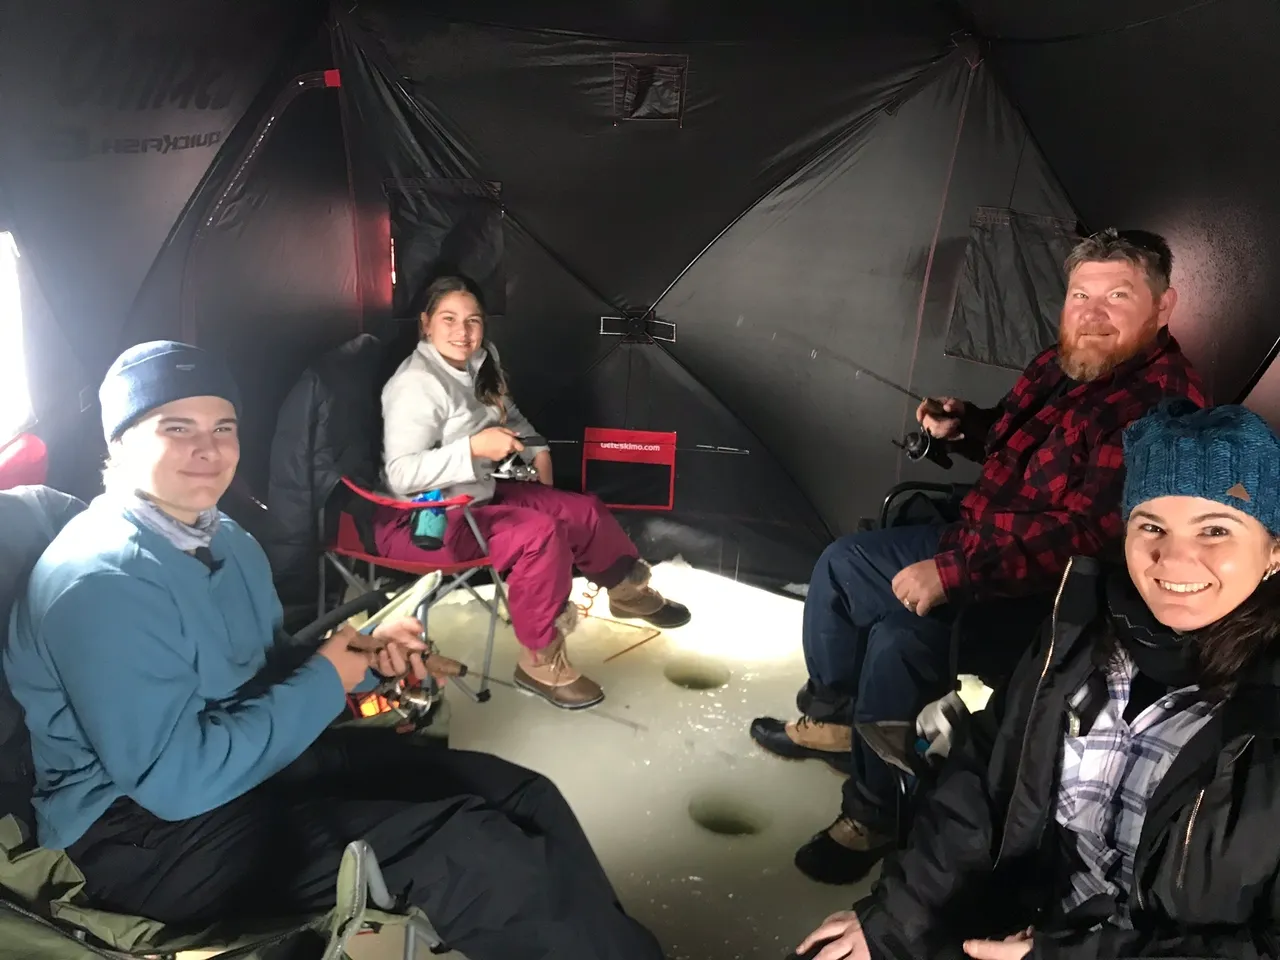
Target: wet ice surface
636	766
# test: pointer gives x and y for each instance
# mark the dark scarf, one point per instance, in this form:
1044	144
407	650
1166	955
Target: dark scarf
1164	655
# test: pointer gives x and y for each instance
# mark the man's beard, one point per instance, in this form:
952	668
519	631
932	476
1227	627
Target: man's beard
1089	363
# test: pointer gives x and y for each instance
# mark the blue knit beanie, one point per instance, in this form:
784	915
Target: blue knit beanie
152	374
1226	454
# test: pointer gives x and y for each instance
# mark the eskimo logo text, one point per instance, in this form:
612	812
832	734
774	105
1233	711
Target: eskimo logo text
648	447
164	144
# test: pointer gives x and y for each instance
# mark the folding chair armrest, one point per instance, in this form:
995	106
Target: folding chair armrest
370	602
955	491
397	504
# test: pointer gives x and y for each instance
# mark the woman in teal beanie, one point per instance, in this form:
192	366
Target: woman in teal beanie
1120	797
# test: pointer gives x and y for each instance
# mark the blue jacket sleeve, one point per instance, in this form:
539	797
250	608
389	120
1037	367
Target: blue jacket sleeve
115	644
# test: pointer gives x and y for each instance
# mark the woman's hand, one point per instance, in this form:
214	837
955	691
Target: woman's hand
542	463
495	443
843	938
1013	947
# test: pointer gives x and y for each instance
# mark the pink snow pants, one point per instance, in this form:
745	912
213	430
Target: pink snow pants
536	535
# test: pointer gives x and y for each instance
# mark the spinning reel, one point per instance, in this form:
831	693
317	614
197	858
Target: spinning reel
415	700
513	467
921	445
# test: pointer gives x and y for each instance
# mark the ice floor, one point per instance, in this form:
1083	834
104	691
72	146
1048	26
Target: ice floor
695	825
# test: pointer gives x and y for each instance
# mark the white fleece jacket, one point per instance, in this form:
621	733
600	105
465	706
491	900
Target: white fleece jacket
430	412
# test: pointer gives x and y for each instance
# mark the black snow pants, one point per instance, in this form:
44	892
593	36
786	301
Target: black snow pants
491	852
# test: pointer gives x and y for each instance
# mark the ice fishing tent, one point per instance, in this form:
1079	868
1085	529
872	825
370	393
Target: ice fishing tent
664	201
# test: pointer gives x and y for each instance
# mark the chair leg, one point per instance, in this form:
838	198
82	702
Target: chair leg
416	929
463	581
361	884
352	579
495	611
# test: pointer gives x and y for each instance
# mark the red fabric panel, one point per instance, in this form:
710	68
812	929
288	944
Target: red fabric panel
24	461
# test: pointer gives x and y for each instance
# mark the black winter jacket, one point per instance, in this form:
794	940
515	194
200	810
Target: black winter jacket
30	517
330	425
981	860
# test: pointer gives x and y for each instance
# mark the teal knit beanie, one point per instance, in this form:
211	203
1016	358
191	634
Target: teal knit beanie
1226	454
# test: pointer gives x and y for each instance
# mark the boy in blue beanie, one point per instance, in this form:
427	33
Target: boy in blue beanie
182	750
1118	797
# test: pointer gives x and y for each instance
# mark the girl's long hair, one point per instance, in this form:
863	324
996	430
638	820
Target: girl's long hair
491	382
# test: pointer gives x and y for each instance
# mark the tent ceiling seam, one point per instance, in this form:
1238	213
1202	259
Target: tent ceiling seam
392	77
818	153
933	245
1109	31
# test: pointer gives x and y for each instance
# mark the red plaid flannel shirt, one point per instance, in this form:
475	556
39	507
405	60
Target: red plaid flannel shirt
1054	473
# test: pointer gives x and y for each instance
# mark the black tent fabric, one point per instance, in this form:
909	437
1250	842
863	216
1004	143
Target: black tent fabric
122	110
714	228
861	251
123	123
624	204
1011	289
1156	114
648	193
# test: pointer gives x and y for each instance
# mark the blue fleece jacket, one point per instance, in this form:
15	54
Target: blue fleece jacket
133	664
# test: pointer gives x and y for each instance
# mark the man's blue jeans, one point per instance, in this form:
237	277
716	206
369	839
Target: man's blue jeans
869	657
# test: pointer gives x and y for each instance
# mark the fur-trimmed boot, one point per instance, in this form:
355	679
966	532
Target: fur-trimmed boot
549	674
634	599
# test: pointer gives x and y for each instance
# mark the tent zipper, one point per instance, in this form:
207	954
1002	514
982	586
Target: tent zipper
1048	658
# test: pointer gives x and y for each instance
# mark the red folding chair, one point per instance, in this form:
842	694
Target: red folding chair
24	461
349	546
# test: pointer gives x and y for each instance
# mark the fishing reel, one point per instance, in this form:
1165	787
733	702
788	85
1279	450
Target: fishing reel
513	467
415	700
921	445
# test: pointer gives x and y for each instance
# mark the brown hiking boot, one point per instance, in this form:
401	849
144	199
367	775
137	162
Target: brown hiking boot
549	674
806	739
843	853
634	599
852	835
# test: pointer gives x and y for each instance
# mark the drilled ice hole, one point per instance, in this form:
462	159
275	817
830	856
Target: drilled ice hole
727	815
697	673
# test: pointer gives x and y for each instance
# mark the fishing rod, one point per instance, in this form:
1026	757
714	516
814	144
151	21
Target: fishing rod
917	445
859	370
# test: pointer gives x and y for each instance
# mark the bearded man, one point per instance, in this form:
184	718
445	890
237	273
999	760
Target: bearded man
877	618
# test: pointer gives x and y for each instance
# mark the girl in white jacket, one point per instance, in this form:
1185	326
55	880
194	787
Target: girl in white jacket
448	419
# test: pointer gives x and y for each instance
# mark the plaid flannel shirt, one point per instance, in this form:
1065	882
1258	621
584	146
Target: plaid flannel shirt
1110	773
1054	472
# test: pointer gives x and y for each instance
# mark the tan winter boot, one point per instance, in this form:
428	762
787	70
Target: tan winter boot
549	674
843	853
634	599
806	739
